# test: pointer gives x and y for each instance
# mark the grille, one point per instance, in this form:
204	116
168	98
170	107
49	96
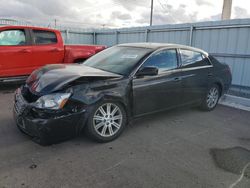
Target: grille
20	104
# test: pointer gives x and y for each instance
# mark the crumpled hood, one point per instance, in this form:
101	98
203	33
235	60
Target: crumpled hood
51	78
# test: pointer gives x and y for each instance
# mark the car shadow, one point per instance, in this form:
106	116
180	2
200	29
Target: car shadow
172	113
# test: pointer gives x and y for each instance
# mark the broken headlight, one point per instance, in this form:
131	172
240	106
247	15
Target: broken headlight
52	101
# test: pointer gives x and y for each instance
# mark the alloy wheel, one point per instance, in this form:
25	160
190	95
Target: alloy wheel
212	97
107	119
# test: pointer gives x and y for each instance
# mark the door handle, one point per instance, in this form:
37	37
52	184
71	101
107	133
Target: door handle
177	79
25	51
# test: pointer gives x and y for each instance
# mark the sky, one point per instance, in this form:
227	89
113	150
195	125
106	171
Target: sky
118	13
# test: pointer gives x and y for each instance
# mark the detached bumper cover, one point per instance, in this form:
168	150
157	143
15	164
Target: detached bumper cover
45	130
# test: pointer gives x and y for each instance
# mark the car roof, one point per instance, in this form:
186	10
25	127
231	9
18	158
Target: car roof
155	46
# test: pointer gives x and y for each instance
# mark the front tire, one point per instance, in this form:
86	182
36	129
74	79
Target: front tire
106	122
211	99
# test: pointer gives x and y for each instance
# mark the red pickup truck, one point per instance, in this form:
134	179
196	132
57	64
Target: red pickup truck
24	49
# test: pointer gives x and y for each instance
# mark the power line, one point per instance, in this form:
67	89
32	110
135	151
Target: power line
166	10
163	6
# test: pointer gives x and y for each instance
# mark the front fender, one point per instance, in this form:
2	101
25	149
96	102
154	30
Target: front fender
91	95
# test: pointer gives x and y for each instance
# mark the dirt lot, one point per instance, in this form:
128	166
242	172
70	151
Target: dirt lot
178	148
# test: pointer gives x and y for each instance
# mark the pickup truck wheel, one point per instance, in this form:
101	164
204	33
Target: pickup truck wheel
211	99
106	121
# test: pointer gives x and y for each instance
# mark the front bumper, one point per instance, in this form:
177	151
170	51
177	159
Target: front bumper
45	129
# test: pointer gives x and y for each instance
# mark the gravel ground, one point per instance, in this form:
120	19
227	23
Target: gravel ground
178	148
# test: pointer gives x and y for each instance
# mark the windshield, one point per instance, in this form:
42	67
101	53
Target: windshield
117	59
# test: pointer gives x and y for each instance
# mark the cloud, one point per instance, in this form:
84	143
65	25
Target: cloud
170	16
52	8
116	13
18	9
36	10
46	11
132	4
215	17
203	2
240	12
121	16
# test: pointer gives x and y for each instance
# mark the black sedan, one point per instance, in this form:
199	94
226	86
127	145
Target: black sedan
111	88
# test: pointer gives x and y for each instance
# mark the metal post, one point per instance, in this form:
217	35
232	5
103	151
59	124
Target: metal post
116	37
146	35
151	12
226	10
94	37
191	35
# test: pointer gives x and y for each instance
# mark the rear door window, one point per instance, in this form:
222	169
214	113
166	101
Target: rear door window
44	37
12	38
191	58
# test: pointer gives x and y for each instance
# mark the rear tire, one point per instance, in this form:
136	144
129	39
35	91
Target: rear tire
211	99
106	121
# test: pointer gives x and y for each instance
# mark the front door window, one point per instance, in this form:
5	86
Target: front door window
12	38
163	60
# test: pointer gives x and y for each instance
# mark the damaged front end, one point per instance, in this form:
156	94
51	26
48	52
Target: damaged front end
53	105
46	126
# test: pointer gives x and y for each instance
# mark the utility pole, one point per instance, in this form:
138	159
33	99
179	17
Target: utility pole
226	10
151	13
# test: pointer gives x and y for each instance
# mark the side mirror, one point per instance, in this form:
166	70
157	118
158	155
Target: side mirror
147	71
